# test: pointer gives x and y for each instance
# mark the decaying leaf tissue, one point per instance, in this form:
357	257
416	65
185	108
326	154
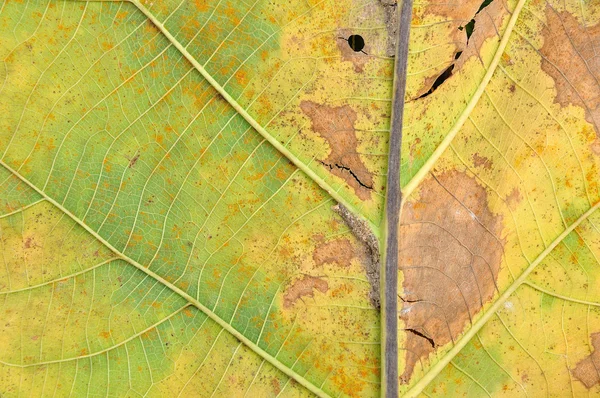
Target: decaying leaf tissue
195	198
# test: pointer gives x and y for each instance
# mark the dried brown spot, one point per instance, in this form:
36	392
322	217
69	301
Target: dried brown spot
133	160
338	251
370	253
336	126
303	288
358	59
391	24
587	370
514	198
482	161
450	256
276	386
29	243
570	58
487	22
461	12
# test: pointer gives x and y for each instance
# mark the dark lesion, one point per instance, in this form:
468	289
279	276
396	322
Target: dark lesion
349	170
422	335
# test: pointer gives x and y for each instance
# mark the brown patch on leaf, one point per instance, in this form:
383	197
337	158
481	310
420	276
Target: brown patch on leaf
336	126
29	243
482	161
358	59
370	244
303	288
514	198
391	24
450	256
461	13
338	251
570	58
587	370
460	10
487	23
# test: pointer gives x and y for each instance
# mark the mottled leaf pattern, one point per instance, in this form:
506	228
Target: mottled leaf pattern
170	171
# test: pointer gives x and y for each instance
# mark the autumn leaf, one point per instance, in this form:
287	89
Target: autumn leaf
192	198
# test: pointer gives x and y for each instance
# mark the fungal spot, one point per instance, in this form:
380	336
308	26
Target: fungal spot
450	254
303	287
370	253
338	251
336	126
569	56
586	370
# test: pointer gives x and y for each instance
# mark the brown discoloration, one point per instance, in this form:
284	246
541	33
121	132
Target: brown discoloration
338	251
450	256
370	256
336	126
358	59
487	25
461	12
482	161
133	160
514	198
586	370
276	386
391	24
29	243
303	287
570	58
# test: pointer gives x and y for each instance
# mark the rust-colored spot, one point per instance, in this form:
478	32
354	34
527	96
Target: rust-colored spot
570	58
586	370
303	288
338	251
276	385
201	5
450	254
336	126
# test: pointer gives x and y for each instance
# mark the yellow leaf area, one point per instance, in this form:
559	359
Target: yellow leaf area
289	66
500	238
153	240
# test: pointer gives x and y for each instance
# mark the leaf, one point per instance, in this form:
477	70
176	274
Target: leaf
190	192
157	239
499	241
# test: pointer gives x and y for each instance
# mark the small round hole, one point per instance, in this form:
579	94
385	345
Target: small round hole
356	42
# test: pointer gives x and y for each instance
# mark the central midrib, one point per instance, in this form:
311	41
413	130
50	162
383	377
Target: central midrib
226	326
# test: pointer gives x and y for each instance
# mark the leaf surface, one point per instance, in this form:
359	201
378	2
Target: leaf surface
181	185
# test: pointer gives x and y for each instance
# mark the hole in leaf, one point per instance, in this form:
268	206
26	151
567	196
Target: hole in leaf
440	79
471	24
356	43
